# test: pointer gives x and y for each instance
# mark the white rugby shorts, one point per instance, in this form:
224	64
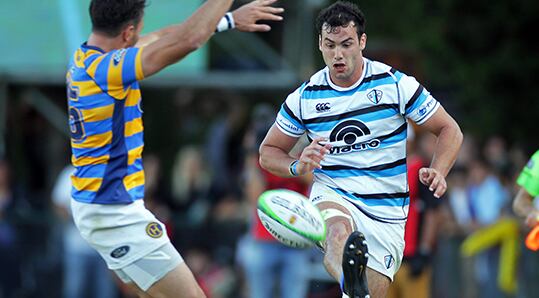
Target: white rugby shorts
384	240
122	234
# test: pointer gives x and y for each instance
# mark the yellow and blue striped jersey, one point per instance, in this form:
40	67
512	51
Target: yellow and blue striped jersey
105	119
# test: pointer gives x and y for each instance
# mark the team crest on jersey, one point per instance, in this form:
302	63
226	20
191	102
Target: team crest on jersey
389	261
375	96
118	56
154	230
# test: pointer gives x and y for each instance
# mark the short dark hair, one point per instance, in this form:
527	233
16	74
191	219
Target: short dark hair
110	16
340	14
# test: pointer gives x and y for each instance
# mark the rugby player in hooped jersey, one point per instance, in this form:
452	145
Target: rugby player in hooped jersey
105	120
355	112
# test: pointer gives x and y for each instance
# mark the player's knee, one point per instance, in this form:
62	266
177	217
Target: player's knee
338	232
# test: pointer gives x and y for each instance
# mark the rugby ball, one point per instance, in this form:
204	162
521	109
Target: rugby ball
291	218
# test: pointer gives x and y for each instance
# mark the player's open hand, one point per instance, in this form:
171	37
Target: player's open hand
247	16
434	180
312	156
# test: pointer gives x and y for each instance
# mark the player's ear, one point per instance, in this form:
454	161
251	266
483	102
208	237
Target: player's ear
128	33
363	41
320	42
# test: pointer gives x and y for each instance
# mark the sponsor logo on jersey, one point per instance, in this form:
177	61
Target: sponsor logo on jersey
154	230
350	136
389	261
423	110
119	252
323	107
375	96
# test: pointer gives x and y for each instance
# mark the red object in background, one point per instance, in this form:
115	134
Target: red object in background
275	182
411	232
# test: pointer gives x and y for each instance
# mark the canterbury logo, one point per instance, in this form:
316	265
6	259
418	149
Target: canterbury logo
351	135
323	107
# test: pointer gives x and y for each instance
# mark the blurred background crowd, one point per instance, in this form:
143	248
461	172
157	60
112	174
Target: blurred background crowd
203	123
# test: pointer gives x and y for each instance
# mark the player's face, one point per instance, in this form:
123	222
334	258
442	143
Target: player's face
342	49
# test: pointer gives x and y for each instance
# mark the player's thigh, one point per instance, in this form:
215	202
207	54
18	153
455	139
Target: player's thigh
339	223
179	282
378	283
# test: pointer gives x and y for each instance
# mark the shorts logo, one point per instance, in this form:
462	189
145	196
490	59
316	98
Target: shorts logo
375	96
154	230
120	252
389	261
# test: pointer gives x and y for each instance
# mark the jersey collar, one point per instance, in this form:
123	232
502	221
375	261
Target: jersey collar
339	88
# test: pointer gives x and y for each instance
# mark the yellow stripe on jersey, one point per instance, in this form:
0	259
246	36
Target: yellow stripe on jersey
86	88
138	65
133	98
133	127
91	184
93	66
134	154
98	114
94	141
114	80
88	160
134	180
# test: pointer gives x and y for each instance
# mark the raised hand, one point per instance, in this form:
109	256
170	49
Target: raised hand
247	16
312	156
434	180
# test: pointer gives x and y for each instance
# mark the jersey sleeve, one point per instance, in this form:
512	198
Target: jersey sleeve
419	105
117	70
529	177
289	117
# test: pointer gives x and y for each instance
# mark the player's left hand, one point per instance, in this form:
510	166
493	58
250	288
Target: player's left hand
434	180
246	16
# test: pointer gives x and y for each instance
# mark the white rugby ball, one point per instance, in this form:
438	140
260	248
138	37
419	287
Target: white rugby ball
291	218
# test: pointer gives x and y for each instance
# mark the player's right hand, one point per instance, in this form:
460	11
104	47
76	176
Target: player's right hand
247	16
312	156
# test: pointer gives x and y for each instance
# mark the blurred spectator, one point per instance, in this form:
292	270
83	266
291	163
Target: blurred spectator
85	273
487	198
10	275
414	277
266	262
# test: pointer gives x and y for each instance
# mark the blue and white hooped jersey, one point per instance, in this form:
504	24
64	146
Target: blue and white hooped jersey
366	125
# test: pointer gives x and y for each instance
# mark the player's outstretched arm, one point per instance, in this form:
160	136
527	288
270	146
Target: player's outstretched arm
244	18
447	147
184	38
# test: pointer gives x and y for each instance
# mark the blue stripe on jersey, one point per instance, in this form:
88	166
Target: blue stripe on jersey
135	167
97	171
290	118
90	171
393	139
393	202
92	101
134	141
97	127
137	193
319	94
397	74
420	100
347	173
131	113
373	116
128	68
102	73
91	152
90	59
84	196
112	188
